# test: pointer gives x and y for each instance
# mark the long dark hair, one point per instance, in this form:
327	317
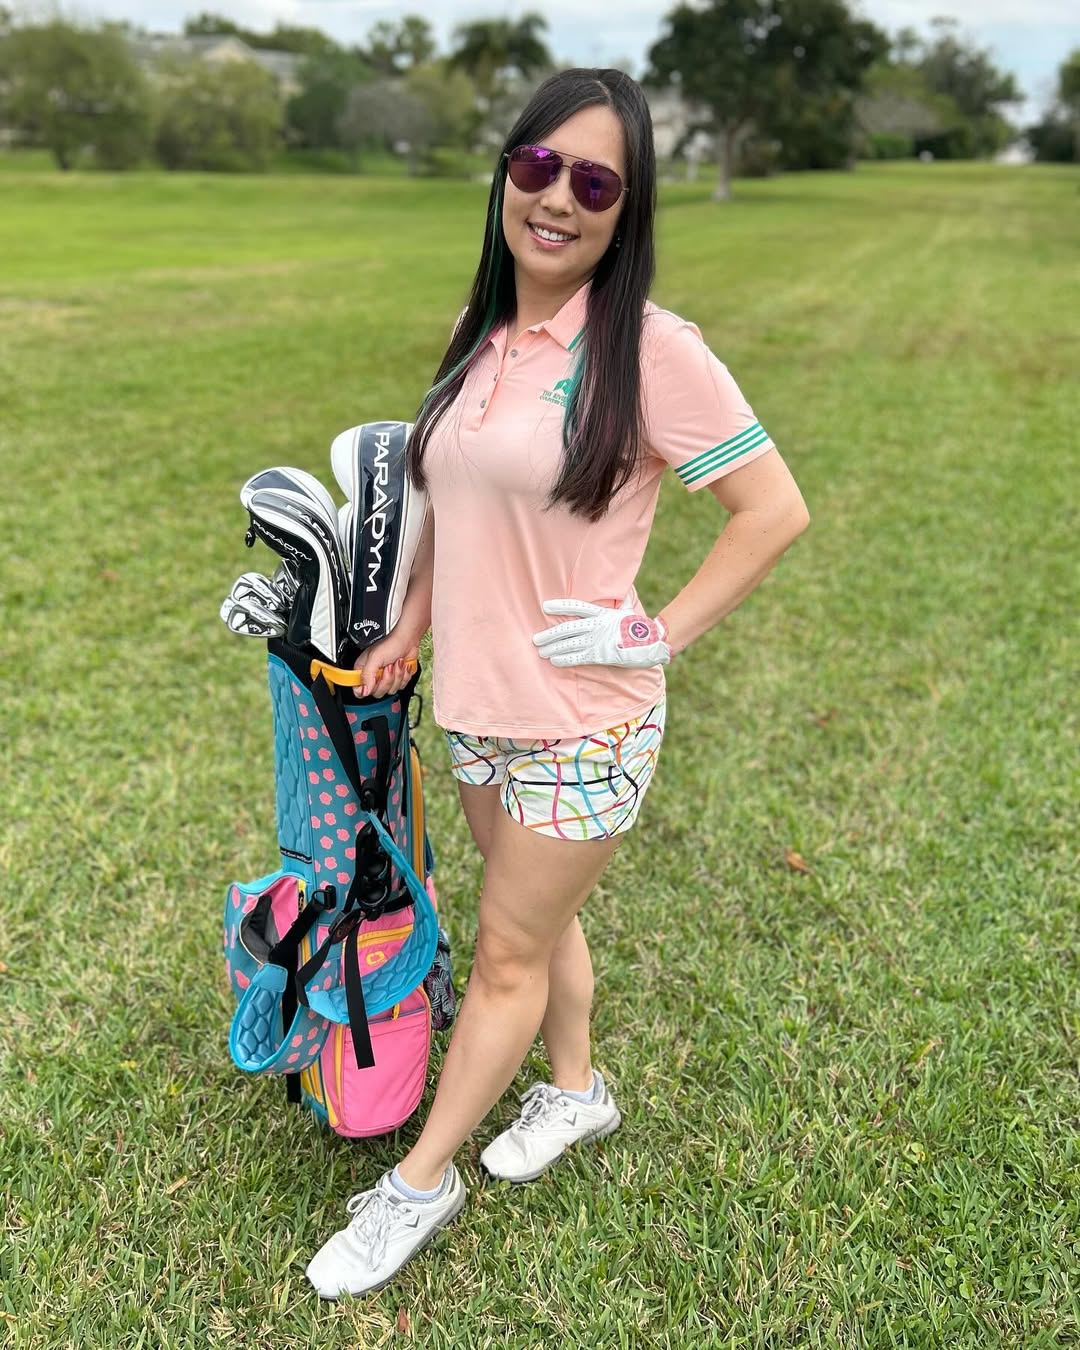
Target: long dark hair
601	426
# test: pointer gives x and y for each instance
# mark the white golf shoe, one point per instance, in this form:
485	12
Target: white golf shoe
386	1230
550	1122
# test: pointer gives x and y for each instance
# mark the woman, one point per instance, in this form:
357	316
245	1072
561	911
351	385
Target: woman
562	397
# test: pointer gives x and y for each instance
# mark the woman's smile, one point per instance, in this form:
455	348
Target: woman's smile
555	240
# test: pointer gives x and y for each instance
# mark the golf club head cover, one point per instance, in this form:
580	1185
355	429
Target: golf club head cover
300	530
386	522
297	481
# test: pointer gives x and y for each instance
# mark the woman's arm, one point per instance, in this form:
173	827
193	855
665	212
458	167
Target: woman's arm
415	617
402	643
767	514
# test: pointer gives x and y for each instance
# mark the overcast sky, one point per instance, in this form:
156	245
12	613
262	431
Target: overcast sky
1028	37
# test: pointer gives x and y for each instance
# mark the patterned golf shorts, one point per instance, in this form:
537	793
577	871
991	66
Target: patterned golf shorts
576	787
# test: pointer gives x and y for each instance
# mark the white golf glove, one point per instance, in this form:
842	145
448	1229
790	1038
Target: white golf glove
602	637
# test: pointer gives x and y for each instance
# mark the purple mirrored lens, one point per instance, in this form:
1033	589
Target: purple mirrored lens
596	188
534	167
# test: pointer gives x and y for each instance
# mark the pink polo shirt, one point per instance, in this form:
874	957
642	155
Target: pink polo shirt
491	462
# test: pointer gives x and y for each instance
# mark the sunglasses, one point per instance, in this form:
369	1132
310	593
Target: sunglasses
534	167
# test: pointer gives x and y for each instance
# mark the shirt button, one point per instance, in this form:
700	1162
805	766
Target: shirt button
483	403
513	351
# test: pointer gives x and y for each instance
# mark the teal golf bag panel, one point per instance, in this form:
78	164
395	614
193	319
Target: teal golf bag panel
346	929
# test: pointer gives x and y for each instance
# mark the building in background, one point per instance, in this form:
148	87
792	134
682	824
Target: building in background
149	49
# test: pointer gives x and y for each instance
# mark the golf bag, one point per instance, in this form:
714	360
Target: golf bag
337	961
339	966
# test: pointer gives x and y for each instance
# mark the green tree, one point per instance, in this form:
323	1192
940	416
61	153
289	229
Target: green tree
1069	94
384	112
966	74
72	89
226	117
486	47
896	101
283	38
449	96
758	64
394	47
211	25
303	41
314	114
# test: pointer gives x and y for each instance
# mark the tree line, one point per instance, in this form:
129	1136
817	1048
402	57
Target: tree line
766	85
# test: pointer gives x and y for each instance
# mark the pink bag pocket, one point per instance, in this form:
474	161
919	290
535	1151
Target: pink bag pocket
376	1100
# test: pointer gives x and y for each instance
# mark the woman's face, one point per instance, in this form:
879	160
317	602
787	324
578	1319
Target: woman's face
593	133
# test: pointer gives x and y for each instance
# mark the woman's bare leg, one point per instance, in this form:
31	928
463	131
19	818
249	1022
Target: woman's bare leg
533	886
565	1028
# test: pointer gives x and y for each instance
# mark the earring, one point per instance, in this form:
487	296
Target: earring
618	241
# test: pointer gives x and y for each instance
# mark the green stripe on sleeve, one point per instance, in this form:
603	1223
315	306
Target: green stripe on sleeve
723	453
703	470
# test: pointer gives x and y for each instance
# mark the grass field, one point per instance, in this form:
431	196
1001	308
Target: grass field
849	1093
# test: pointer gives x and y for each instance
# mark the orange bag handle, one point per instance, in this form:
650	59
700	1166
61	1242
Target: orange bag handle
349	679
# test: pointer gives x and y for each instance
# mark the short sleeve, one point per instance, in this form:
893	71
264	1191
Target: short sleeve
696	418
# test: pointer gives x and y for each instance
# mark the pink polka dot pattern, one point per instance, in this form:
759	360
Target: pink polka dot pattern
335	814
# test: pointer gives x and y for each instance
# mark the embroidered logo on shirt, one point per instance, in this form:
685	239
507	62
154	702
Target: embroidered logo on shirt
560	394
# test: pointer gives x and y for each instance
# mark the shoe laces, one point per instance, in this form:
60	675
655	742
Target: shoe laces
369	1226
539	1104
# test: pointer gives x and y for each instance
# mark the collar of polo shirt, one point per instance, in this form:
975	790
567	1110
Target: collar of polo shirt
568	325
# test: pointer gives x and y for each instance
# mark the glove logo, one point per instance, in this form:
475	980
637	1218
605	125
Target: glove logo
639	630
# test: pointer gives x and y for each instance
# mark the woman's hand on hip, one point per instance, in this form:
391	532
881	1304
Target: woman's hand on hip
603	637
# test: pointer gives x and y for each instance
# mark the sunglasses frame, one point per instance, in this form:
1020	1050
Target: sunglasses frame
568	161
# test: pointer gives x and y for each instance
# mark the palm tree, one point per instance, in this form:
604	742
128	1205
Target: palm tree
485	47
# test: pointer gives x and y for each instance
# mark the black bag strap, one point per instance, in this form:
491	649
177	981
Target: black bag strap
347	927
286	953
372	794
